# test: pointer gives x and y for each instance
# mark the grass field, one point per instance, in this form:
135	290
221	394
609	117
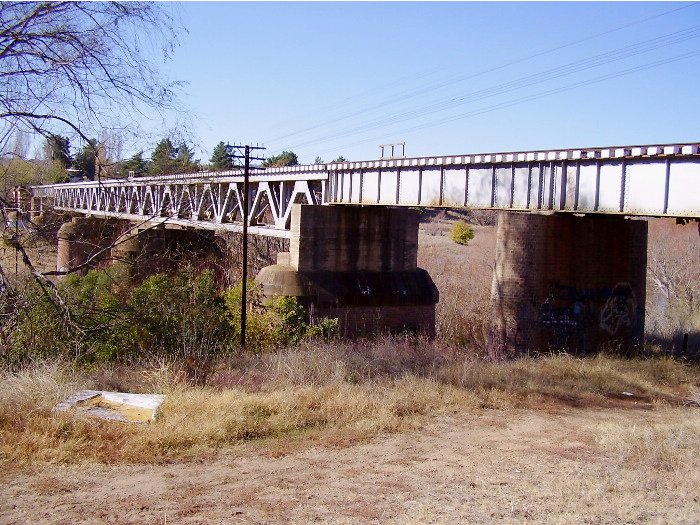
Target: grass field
354	390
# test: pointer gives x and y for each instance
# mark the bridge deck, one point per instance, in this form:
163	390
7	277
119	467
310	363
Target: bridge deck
650	180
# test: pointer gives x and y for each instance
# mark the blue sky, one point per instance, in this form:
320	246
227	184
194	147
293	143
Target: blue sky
329	79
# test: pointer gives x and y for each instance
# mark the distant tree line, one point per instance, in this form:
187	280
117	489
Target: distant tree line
55	162
166	159
59	162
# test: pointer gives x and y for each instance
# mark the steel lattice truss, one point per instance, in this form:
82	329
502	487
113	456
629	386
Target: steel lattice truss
198	200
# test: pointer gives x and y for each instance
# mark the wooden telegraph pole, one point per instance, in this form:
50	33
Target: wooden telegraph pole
243	152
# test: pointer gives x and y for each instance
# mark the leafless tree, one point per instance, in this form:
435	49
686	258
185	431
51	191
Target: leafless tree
78	68
674	276
81	66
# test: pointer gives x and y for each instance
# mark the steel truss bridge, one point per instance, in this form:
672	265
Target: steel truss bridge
650	180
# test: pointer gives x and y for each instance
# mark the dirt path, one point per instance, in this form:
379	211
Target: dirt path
495	467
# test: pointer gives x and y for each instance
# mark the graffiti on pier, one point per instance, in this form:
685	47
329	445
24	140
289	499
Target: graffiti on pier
569	311
620	309
568	307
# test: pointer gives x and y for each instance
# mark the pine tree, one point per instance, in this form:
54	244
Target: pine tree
286	158
220	160
85	160
137	164
185	159
163	159
57	149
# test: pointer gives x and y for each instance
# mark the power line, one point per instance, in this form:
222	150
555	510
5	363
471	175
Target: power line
469	76
528	98
540	77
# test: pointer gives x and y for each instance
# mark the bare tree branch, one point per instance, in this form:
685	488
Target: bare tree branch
81	63
72	67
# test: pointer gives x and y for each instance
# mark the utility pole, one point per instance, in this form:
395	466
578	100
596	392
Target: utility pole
243	152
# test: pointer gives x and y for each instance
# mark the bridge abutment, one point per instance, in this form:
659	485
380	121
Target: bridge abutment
356	264
567	282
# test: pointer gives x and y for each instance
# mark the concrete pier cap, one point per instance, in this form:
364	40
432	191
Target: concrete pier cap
283	279
358	265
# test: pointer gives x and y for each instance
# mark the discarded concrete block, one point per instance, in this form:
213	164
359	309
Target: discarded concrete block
114	406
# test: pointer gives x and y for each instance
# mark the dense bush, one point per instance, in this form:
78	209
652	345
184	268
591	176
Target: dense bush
280	322
461	233
182	315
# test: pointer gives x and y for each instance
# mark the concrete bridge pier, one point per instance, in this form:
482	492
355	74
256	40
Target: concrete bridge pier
142	251
568	282
356	264
83	239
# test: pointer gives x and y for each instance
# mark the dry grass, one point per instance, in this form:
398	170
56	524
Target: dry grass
195	422
317	393
671	446
462	314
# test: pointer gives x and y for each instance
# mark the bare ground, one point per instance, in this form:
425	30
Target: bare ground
485	467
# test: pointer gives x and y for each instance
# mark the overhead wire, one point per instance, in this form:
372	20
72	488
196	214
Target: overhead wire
529	98
461	78
540	77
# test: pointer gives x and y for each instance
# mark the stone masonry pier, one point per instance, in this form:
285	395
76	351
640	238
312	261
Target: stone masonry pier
563	282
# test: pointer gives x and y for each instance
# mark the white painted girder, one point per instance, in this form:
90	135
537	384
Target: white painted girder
662	186
202	202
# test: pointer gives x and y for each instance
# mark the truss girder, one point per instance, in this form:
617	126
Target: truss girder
208	205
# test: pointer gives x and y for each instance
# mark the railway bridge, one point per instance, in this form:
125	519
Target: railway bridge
572	236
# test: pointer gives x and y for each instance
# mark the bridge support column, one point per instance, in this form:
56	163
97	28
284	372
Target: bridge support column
571	283
152	250
21	199
82	239
356	264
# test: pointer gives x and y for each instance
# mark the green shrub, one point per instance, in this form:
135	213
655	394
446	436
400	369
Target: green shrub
180	315
274	324
97	328
326	328
38	331
462	233
260	325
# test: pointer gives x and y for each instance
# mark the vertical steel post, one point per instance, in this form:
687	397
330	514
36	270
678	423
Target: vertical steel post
231	152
